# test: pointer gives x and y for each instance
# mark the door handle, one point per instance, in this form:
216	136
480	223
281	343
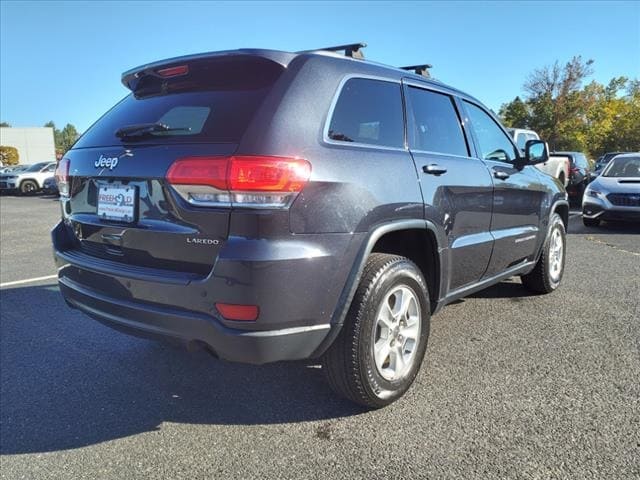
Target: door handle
500	174
434	169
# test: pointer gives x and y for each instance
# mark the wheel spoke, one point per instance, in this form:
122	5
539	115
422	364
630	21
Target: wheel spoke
405	300
381	352
385	317
410	331
398	361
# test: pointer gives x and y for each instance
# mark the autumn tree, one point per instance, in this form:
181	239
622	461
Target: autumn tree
9	156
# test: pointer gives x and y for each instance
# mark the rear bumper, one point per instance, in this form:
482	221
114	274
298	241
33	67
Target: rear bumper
295	322
234	345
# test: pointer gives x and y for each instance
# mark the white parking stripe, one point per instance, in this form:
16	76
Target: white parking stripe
28	280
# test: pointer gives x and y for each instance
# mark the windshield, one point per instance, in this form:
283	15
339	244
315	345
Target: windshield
36	167
623	167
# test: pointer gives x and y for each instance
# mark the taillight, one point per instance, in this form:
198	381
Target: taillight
62	176
249	181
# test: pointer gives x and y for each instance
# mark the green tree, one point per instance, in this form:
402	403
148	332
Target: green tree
64	138
9	156
4	124
516	113
68	137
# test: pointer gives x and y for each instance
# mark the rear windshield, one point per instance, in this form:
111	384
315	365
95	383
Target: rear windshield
212	104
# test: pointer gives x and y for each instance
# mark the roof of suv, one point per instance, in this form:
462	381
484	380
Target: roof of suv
357	66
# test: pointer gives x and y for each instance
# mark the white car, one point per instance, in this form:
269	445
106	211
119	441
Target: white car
556	166
29	180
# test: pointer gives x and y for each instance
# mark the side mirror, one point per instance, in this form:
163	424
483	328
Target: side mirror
535	151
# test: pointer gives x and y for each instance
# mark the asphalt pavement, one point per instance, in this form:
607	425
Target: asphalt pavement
513	385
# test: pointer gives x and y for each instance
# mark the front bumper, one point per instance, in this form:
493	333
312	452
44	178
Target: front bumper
600	208
294	323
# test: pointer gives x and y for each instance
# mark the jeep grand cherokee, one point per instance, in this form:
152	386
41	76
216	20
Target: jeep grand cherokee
282	206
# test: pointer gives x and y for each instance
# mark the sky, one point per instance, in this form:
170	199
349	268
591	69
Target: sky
62	61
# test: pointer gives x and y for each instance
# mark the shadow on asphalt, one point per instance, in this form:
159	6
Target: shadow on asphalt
68	382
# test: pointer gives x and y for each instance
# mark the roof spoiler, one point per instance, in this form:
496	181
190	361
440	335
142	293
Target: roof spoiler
353	50
130	78
422	70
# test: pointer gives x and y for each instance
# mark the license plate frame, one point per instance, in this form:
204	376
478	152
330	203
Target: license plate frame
117	202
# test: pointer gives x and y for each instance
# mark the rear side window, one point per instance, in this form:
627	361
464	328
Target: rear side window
213	103
370	112
435	126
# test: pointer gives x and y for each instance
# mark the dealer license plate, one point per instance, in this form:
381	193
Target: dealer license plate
117	203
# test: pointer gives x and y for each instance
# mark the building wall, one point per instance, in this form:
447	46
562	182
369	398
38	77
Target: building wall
34	144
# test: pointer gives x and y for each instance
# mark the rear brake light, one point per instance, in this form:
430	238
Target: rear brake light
62	176
238	312
174	71
252	181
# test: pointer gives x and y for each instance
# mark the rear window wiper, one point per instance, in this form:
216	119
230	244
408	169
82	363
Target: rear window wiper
147	129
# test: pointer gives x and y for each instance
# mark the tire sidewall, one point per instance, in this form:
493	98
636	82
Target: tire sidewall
402	273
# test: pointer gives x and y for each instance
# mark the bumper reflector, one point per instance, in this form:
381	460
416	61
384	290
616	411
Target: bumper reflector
238	312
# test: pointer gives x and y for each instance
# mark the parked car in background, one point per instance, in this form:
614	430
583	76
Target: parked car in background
579	173
267	238
27	181
13	168
557	167
521	135
602	162
615	194
50	186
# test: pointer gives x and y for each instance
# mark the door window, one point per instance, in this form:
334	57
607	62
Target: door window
435	123
494	144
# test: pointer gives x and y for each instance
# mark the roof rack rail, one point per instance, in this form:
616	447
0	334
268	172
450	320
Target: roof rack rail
422	70
352	50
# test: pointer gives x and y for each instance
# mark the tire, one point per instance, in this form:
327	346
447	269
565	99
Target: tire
591	222
350	364
28	187
547	274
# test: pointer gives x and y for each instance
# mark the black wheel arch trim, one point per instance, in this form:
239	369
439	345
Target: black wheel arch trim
349	290
553	209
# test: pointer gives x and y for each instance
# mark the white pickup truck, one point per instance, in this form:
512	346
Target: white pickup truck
557	167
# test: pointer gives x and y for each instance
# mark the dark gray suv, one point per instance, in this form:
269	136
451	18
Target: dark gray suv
275	206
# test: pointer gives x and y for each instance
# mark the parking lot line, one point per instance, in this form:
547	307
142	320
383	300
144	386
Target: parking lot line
28	280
